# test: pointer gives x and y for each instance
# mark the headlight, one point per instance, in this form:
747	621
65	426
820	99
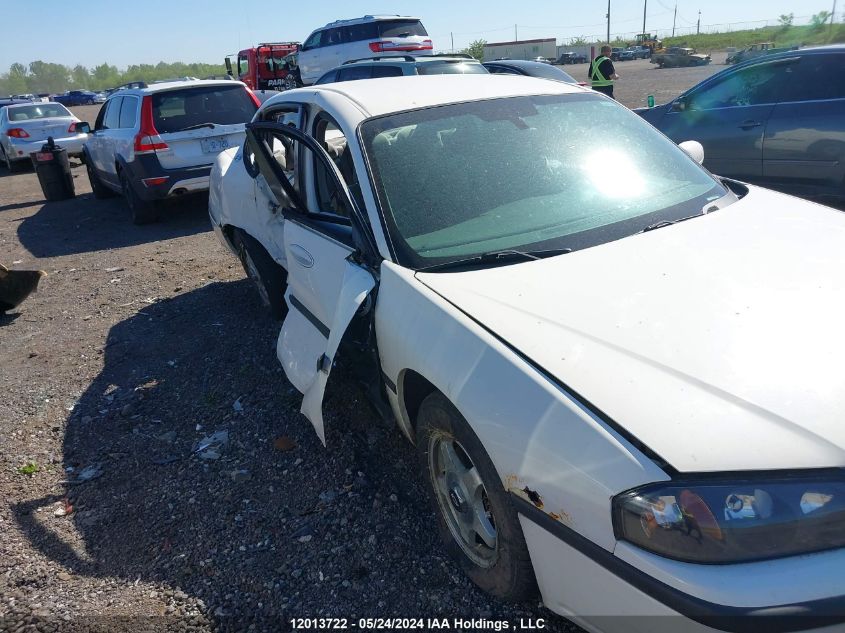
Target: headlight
722	521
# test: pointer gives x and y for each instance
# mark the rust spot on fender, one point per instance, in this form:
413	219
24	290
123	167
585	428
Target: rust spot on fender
533	497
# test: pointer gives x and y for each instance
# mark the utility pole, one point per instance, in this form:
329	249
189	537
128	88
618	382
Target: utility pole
608	22
698	24
645	4
515	35
452	36
674	18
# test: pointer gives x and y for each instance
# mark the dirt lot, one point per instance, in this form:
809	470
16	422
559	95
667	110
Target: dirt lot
142	341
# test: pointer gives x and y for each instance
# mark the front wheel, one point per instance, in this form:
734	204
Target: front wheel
475	517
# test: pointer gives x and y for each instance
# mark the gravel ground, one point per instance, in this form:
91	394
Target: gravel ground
141	342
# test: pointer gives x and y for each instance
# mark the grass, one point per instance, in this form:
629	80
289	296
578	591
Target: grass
30	469
781	36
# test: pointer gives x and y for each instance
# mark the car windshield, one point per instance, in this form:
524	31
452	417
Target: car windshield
451	68
526	173
43	111
175	110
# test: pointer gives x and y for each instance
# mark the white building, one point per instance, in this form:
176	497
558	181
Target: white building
521	49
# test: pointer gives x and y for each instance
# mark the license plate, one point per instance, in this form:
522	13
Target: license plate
214	145
44	157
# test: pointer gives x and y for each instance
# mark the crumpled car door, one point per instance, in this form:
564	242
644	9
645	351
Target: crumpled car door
329	276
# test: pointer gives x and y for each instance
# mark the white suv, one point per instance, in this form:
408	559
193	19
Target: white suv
340	41
161	141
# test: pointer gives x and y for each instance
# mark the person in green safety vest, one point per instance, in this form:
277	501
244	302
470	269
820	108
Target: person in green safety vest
602	74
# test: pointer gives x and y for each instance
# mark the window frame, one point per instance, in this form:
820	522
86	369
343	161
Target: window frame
108	111
129	99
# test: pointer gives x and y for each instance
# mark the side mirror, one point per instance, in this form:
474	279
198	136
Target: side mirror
83	127
680	104
694	150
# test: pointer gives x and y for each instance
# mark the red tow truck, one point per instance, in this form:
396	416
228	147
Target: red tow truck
263	67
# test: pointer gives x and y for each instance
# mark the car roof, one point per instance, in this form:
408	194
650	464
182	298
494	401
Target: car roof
16	104
367	18
175	85
408	59
375	97
517	63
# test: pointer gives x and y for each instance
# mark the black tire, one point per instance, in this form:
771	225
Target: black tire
140	211
269	277
508	574
100	191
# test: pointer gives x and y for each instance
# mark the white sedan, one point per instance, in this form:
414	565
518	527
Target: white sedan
622	374
25	127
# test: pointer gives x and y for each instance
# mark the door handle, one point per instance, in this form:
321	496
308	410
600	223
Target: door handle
747	125
302	256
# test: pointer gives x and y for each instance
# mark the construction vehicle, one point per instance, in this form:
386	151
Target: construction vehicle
756	50
649	41
679	57
263	67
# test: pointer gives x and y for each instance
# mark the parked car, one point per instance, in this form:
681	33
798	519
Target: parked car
639	52
679	57
775	120
615	53
76	98
629	395
128	85
756	50
626	55
543	60
571	58
25	97
100	97
25	127
160	141
399	65
340	41
529	69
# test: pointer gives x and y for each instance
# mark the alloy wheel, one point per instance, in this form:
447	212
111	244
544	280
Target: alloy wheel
463	500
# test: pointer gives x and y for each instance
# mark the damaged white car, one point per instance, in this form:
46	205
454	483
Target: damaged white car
622	374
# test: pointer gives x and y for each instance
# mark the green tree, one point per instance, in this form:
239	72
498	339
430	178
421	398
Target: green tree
80	76
819	20
579	41
47	77
476	49
16	80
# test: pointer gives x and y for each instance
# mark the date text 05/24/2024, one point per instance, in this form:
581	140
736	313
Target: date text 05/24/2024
410	624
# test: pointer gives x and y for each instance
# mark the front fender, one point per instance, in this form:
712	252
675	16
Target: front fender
540	437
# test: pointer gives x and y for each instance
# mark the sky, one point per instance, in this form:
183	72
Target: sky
123	32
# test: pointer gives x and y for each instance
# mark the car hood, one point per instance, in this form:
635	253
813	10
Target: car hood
718	342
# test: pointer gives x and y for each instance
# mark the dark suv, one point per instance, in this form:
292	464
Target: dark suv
399	65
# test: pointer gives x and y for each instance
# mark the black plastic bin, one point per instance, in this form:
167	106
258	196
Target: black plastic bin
53	169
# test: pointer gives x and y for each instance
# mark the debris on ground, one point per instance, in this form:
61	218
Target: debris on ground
211	447
17	285
86	474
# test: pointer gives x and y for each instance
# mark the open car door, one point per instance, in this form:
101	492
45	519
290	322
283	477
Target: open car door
330	251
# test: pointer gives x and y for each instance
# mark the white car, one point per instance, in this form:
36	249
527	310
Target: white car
160	141
338	42
25	127
622	374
